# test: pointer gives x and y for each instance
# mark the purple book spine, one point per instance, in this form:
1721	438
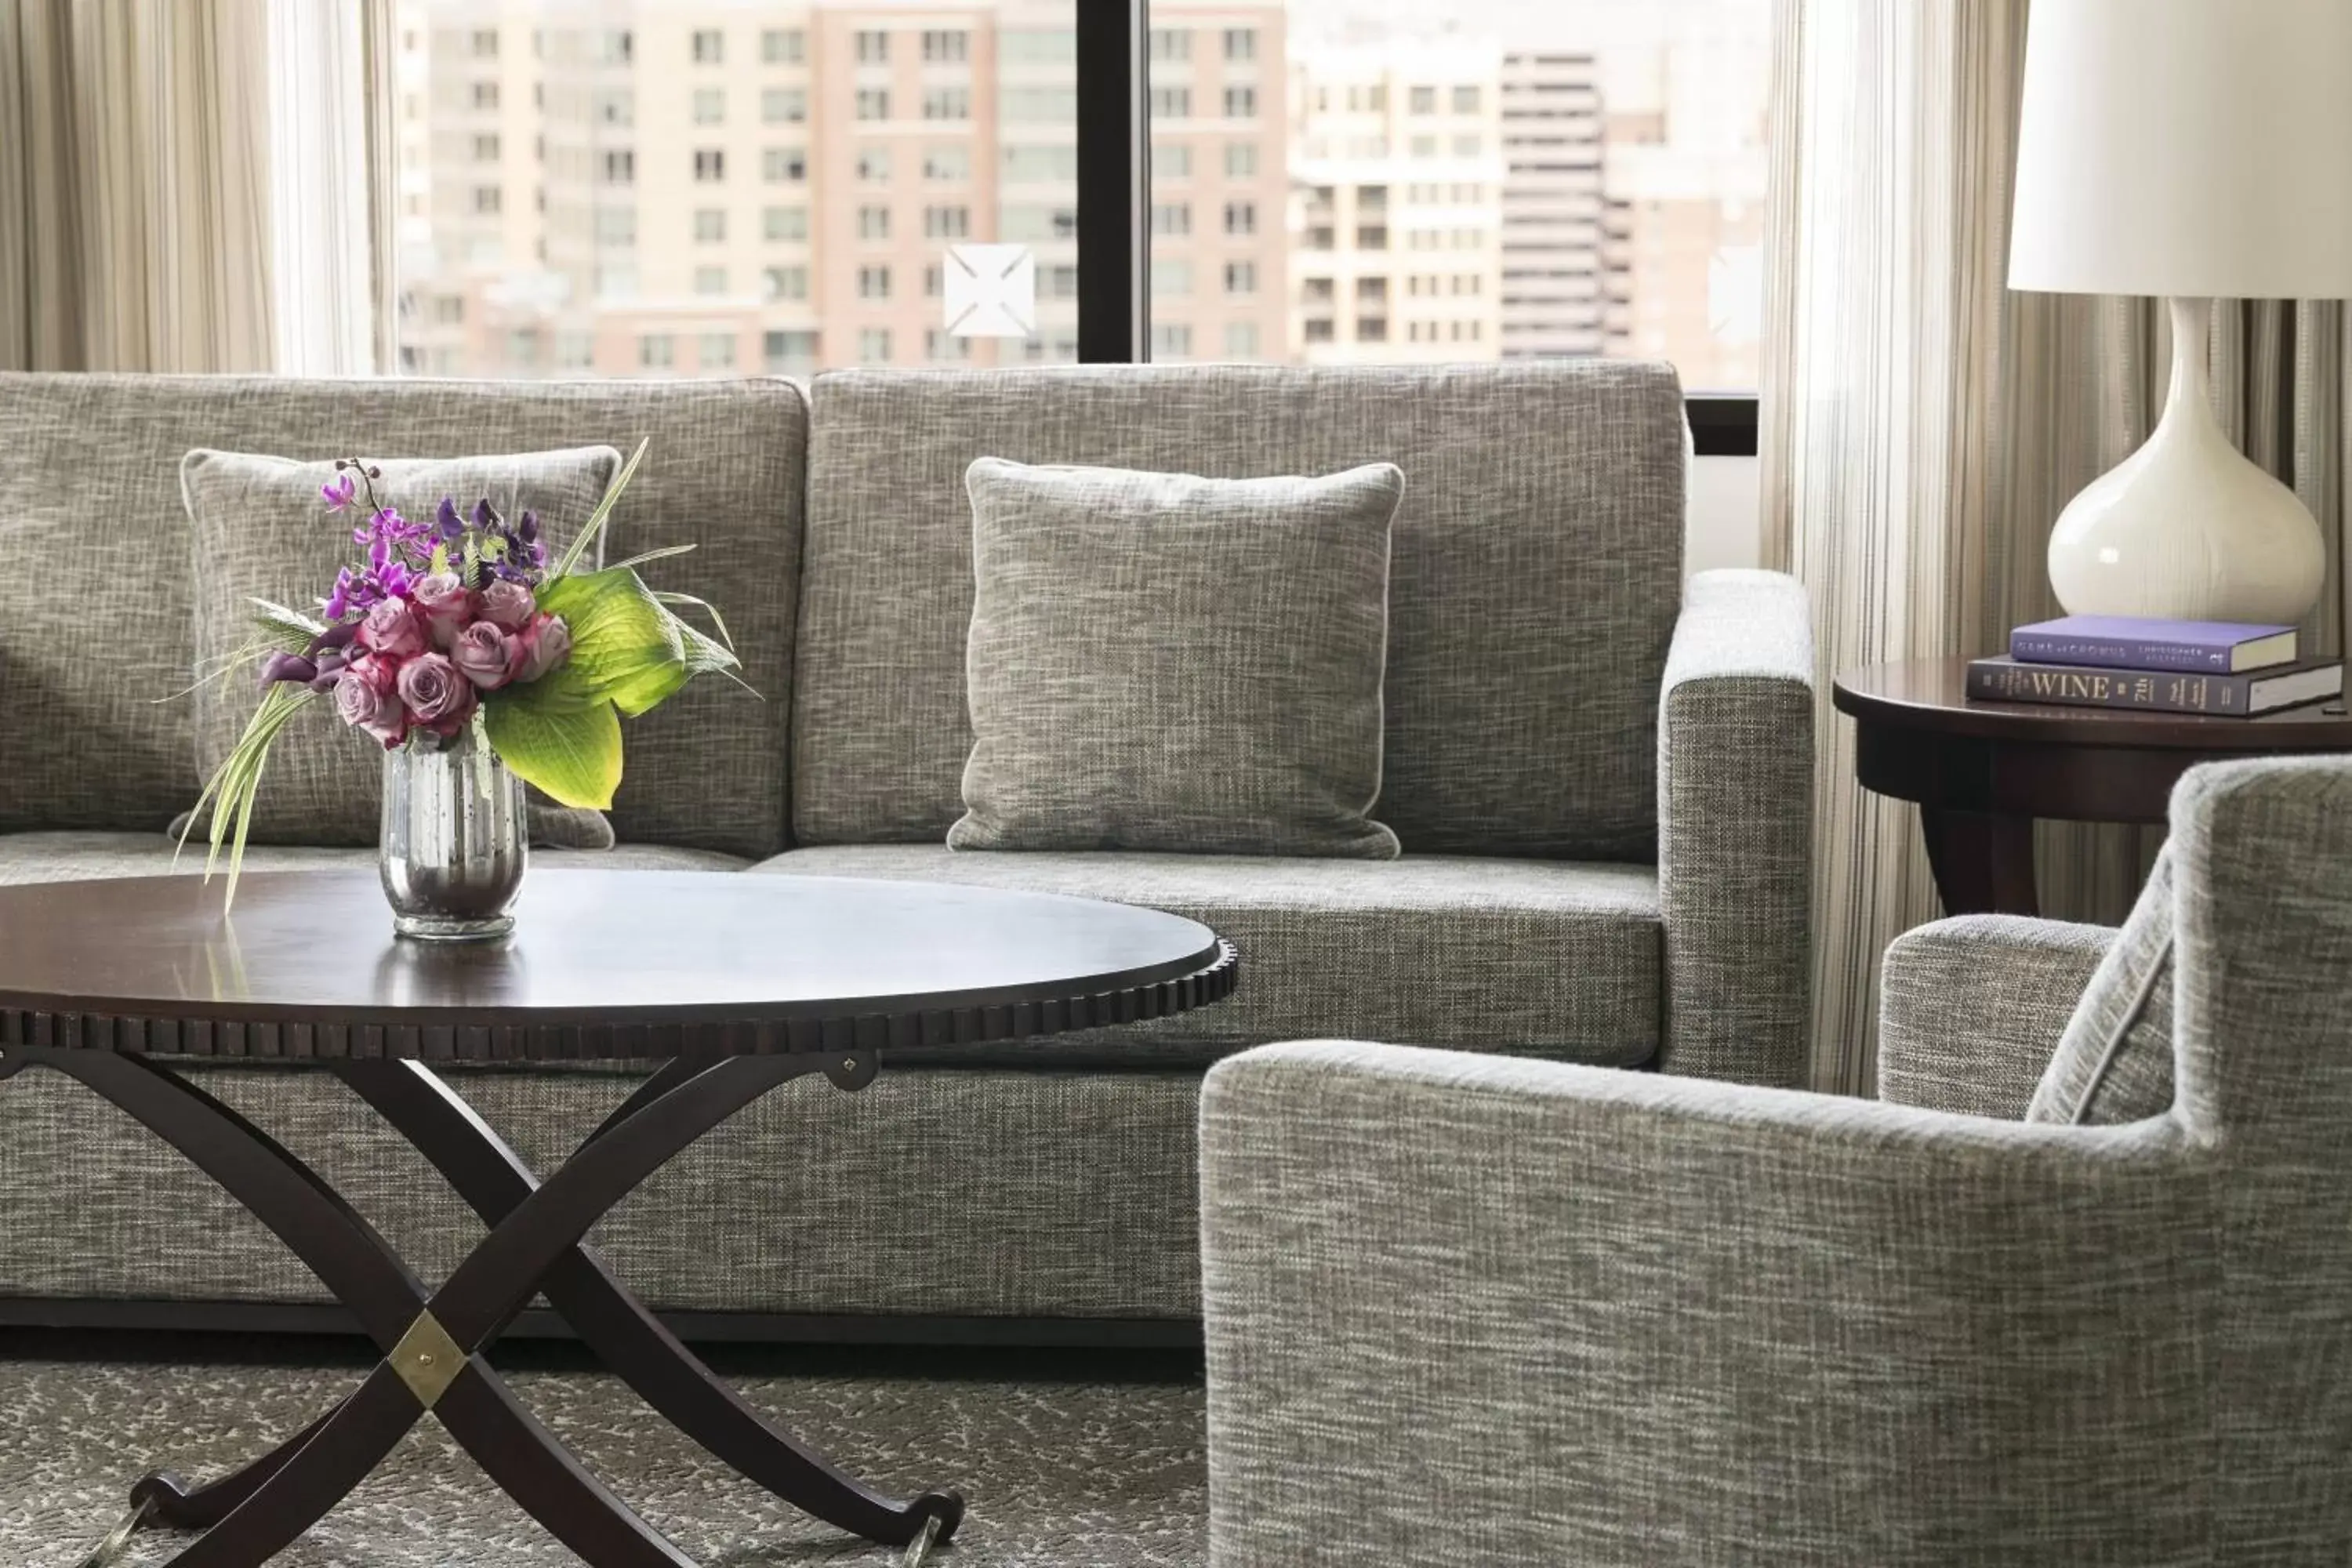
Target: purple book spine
2127	653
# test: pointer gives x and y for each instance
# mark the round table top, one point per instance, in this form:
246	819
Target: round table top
601	963
1930	694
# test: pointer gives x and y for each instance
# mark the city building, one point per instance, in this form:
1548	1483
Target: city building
1559	293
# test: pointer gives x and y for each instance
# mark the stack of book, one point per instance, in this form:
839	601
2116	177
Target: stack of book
2163	666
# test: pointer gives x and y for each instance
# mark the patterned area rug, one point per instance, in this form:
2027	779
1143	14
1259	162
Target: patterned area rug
1066	1459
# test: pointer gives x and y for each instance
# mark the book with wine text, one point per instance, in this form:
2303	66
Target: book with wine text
2133	642
2226	696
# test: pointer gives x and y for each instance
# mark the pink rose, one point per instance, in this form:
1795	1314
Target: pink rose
509	605
393	628
486	655
438	698
366	705
446	604
546	643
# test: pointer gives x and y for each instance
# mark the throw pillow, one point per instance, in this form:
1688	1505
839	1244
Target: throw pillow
2113	1062
551	827
260	531
1160	661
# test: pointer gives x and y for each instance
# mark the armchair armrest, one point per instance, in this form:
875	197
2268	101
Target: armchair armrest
1970	1009
1465	1310
1735	829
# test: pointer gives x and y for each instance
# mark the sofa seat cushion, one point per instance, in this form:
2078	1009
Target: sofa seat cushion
1554	958
83	857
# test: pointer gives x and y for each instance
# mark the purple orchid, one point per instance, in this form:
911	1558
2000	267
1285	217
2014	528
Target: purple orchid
339	491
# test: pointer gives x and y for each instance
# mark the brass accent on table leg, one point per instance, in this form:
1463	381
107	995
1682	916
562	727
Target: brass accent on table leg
427	1360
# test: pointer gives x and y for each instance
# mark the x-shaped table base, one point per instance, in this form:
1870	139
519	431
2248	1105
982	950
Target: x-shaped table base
434	1341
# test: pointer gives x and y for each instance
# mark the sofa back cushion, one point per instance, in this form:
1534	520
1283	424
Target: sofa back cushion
1537	570
96	622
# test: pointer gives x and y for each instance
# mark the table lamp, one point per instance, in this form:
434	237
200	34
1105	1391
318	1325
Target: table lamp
2190	150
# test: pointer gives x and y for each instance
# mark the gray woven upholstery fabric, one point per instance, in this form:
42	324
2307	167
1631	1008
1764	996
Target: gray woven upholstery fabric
2114	1061
1548	959
1736	829
73	856
1970	1009
1534	584
551	826
258	530
1463	1310
90	487
1045	1194
1162	661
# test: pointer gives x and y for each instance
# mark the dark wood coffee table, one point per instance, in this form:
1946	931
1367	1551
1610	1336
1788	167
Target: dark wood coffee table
1982	772
737	983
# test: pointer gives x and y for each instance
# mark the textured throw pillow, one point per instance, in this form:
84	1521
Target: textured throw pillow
260	531
1159	661
2114	1063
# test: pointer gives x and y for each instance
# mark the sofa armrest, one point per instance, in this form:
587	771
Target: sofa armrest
1735	829
1463	1310
1970	1009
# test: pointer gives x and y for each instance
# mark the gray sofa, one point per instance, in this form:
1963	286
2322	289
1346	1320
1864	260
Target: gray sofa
1464	1310
1601	784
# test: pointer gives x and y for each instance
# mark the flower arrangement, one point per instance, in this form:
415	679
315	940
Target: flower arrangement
465	624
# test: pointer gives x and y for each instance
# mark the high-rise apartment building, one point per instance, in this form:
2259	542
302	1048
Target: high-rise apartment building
1396	230
1558	292
717	189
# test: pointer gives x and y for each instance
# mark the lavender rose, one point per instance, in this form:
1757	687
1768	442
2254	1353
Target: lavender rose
446	604
486	655
509	605
366	703
544	644
438	696
393	629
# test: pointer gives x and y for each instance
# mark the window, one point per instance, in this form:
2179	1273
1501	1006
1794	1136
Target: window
1372	291
1058	282
619	167
449	311
784	222
784	283
709	164
486	147
947	103
710	47
1466	100
1241	103
1241	217
955	164
874	165
947	222
710	279
783	105
488	200
790	352
1371	198
946	46
574	349
1170	44
709	226
784	165
657	351
1040	165
617	225
935	282
872	102
1052	105
715	351
1316	330
1241	160
1422	100
618	47
1241	43
1241	340
486	95
874	283
709	105
873	345
1171	103
782	46
1316	290
1467	146
1171	280
1372	237
942	345
1027	222
873	47
483	44
1172	218
614	106
1170	340
1240	276
873	223
1169	162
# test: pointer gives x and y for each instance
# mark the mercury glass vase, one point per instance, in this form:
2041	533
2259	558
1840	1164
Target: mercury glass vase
454	842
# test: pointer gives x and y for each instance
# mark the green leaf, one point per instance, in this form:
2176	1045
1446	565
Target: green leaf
708	608
560	734
625	643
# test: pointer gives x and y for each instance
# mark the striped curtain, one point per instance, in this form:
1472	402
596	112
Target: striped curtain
1923	426
141	225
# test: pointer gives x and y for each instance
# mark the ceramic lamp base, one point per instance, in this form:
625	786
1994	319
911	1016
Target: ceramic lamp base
2186	528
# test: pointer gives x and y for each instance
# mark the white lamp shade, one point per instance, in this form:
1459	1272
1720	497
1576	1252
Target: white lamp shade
2190	148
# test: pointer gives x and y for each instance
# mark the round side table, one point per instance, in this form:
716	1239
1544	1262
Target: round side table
1982	772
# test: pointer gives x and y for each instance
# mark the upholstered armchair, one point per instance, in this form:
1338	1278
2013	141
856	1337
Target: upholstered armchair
1466	1309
